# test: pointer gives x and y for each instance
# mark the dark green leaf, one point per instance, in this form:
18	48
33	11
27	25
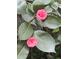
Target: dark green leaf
59	1
59	37
20	45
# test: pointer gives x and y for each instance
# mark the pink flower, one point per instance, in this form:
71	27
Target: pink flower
32	42
41	14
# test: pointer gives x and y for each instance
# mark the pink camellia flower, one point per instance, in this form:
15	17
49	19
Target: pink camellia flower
41	14
32	42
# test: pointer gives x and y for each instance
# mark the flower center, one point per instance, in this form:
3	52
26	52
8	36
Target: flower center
32	41
41	14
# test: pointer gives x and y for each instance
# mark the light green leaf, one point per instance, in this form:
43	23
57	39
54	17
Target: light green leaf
23	53
28	16
21	6
25	31
37	4
55	5
52	22
48	9
46	42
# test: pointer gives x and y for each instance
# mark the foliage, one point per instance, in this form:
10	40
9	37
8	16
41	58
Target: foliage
47	32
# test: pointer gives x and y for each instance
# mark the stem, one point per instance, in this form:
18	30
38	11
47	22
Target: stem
31	21
46	29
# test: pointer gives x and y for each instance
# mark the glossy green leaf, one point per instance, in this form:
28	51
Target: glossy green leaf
38	4
46	42
21	6
52	22
23	53
25	31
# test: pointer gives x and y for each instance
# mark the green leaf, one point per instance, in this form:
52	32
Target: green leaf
55	5
55	30
19	21
52	22
21	6
23	53
20	45
46	42
59	1
52	1
40	23
48	9
58	58
38	4
28	16
59	37
25	31
33	22
57	13
30	7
